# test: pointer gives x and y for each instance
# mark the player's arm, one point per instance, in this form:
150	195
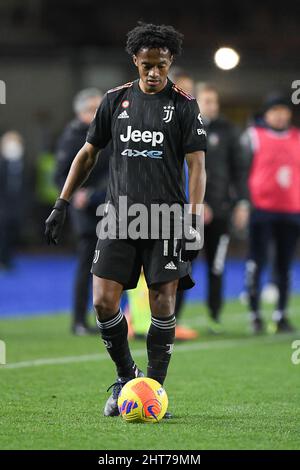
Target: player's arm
99	134
81	167
197	179
194	146
191	242
67	147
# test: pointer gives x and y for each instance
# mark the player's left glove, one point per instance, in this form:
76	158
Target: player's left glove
55	221
189	245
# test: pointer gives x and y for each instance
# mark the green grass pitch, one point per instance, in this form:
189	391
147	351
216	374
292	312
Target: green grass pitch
232	391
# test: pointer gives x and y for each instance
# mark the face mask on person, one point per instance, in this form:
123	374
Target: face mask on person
12	150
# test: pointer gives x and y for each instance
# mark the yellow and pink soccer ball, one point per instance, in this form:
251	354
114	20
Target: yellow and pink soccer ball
143	400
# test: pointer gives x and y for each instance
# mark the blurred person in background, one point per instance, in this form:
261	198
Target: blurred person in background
226	197
183	80
183	333
84	202
274	186
11	194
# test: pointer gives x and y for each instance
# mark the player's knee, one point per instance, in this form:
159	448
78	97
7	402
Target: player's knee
105	304
164	305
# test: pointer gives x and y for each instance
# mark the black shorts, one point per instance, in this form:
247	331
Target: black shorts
121	261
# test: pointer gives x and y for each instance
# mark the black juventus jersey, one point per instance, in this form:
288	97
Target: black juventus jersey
150	134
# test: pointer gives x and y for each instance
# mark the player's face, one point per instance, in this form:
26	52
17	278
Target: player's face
153	66
278	117
209	104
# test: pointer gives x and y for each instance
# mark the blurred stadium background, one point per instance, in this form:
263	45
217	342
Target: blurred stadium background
49	50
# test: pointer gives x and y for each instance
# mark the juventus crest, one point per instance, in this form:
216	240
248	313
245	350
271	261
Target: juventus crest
168	113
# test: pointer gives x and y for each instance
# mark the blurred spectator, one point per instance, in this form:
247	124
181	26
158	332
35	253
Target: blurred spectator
183	333
84	202
274	186
46	191
11	194
226	170
183	80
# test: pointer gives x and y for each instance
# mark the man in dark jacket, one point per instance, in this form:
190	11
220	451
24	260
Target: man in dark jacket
85	200
226	188
11	194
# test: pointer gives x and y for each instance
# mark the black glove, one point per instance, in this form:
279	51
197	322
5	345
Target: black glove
190	236
55	221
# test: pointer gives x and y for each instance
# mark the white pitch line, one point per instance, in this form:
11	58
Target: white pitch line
236	317
195	346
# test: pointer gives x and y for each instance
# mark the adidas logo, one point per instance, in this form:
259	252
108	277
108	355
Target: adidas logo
170	265
123	115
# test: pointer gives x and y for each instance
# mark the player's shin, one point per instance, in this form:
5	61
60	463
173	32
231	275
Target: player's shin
114	333
160	341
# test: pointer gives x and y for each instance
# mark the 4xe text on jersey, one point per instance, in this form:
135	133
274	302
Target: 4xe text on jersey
142	153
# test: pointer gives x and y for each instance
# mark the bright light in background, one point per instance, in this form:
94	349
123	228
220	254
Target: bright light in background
226	58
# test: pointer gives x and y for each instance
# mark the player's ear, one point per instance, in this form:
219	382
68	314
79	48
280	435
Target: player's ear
134	58
171	59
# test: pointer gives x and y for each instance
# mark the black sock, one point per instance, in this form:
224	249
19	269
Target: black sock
160	342
114	333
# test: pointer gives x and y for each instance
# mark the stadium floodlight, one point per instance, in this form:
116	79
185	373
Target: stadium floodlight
226	58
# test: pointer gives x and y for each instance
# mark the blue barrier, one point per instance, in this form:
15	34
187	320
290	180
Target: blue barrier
43	284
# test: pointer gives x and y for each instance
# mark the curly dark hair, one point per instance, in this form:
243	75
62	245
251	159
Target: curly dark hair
153	36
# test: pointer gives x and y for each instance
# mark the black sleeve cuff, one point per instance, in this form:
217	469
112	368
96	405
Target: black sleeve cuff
95	142
193	148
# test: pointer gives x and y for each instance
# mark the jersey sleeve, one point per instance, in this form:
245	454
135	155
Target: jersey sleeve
194	134
99	133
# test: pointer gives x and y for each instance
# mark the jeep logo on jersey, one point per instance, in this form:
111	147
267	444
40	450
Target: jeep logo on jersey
147	136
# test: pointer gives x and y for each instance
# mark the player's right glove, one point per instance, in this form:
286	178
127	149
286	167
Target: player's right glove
190	244
55	221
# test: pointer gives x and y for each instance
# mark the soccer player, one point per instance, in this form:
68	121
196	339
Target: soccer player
153	126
